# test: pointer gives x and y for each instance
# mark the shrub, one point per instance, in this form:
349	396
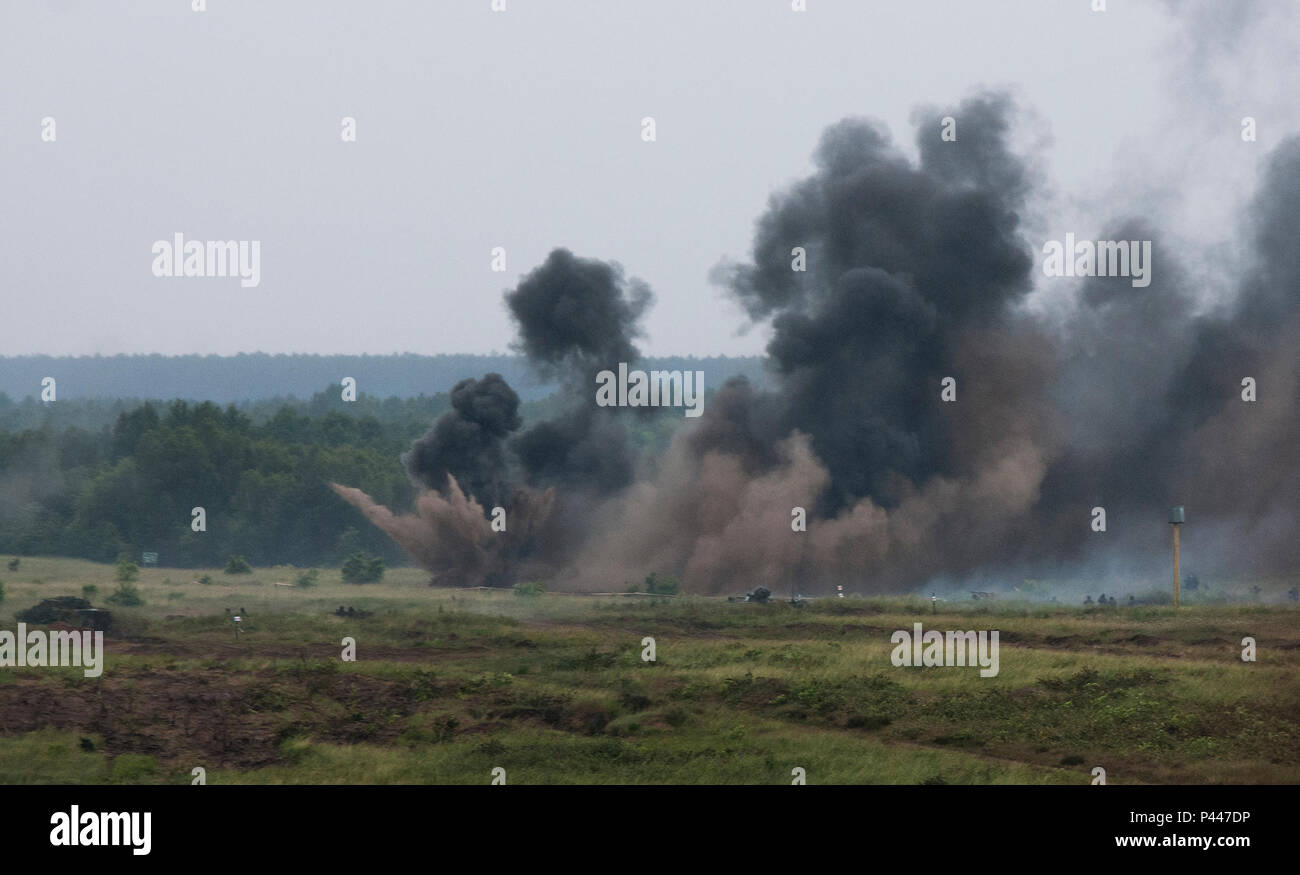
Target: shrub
529	589
363	568
238	565
676	717
127	570
205	579
308	578
89	591
14	563
2	590
126	595
665	585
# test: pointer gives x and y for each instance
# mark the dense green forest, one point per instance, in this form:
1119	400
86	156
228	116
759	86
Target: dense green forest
106	469
97	480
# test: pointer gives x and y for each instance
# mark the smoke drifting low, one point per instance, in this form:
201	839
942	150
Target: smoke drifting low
916	271
450	535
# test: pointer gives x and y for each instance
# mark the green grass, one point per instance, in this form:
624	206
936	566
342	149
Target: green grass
449	684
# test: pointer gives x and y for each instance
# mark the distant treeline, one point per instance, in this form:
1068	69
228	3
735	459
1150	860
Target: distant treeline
97	480
260	376
93	414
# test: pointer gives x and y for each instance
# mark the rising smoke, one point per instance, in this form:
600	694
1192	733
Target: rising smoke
916	271
575	317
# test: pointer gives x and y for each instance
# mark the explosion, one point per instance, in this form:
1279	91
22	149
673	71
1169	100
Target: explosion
917	273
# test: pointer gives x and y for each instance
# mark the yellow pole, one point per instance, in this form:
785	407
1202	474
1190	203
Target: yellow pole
1175	565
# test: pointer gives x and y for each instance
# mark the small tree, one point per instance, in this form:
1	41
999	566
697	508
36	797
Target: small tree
126	595
308	578
127	570
363	568
238	565
2	590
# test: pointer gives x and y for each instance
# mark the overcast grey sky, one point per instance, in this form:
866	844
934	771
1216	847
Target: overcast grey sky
522	129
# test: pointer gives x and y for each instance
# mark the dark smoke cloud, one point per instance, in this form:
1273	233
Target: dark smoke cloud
576	317
917	270
903	263
914	272
468	441
1151	391
585	448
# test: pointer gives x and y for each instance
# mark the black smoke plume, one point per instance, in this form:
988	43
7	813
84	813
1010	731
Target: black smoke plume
576	317
1128	398
468	442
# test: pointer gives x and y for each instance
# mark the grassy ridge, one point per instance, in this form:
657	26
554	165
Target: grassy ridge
449	684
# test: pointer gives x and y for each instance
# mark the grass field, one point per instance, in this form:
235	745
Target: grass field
449	684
